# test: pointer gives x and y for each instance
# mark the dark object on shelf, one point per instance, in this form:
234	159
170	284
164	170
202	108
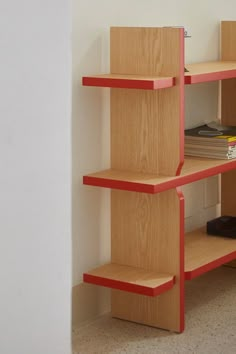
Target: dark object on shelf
223	226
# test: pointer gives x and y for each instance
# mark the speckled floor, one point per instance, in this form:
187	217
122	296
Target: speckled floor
210	324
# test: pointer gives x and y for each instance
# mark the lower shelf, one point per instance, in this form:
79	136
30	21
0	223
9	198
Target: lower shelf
204	253
131	279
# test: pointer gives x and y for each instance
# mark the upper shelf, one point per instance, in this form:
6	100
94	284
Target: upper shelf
129	81
210	71
194	168
197	73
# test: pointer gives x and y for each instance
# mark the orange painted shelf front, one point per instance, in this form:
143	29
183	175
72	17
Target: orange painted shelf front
197	73
128	81
195	168
131	279
210	71
205	252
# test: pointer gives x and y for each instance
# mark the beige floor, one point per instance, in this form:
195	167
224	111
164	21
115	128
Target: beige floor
210	324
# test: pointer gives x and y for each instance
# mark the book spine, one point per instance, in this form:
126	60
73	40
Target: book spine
211	148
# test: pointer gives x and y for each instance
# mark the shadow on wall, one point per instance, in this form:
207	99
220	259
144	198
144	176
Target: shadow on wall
90	153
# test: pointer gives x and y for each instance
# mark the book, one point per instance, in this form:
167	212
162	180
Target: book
210	147
204	133
211	142
224	156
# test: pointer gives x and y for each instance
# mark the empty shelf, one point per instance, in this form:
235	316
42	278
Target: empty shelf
205	252
210	71
131	279
128	81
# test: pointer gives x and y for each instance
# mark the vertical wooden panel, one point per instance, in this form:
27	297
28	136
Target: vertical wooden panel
147	136
146	232
146	51
228	198
142	131
228	114
228	193
228	53
228	38
147	126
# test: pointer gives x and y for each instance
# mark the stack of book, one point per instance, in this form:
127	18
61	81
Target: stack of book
205	141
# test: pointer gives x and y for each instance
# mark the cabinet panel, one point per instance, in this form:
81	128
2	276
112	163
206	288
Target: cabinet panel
142	125
228	193
147	232
146	51
143	122
228	52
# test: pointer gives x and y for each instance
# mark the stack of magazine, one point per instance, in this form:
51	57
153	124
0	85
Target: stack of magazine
211	140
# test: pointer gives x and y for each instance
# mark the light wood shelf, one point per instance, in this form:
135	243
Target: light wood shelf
129	81
131	279
210	71
150	253
194	168
205	252
197	73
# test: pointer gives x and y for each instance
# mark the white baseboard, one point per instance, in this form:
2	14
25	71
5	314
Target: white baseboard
88	303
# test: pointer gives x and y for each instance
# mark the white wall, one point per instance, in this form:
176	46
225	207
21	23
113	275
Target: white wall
35	178
91	22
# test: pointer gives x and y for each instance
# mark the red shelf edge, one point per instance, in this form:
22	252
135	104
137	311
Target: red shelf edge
181	262
116	184
181	259
198	78
210	266
152	189
133	288
127	83
156	84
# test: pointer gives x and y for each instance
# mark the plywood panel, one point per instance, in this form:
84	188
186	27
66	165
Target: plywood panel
147	126
228	114
228	36
146	51
228	193
142	131
228	52
147	232
228	104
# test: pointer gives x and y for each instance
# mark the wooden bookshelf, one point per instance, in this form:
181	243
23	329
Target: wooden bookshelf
210	71
228	114
205	252
194	168
131	279
151	62
129	81
150	254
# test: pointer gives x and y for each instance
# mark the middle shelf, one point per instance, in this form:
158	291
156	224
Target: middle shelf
194	168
